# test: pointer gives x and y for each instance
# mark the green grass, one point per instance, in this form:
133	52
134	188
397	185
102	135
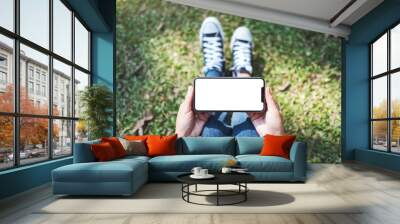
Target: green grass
158	56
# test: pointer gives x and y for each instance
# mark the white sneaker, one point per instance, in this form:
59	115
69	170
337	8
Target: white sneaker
212	44
242	49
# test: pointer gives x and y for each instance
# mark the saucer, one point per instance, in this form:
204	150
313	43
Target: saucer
208	176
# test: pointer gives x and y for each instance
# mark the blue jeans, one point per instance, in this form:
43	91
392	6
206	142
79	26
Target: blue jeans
217	125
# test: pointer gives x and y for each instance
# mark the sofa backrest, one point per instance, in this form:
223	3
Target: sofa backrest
190	146
83	152
206	145
249	145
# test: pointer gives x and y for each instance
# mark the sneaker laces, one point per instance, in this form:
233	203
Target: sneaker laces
213	53
242	56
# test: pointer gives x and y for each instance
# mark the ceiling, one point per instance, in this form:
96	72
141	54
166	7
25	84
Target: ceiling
333	17
321	9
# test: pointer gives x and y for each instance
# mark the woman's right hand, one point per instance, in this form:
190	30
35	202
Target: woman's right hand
188	122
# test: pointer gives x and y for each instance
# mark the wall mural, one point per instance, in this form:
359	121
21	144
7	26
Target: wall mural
159	55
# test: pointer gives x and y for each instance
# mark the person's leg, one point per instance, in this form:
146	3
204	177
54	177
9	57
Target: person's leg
213	73
211	40
216	126
242	47
242	125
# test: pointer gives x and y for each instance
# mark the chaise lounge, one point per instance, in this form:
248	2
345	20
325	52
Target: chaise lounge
125	176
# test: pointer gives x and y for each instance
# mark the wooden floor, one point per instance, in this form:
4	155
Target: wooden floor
379	189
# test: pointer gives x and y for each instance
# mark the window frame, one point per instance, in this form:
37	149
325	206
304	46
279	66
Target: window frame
16	115
388	74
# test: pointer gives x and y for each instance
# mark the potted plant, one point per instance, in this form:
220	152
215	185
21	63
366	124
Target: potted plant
96	102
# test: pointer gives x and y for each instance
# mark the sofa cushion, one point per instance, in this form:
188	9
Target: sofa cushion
206	145
116	145
249	145
257	163
277	145
134	147
135	137
103	152
161	145
185	163
112	171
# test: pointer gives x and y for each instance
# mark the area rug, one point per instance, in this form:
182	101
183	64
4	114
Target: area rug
166	198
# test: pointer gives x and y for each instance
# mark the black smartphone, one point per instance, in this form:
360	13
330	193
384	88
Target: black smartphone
229	94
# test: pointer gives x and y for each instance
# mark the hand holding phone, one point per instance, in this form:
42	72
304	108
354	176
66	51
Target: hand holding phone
189	123
229	94
269	121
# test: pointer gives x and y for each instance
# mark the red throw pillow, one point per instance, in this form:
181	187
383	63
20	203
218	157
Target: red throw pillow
135	137
275	145
161	145
116	145
103	152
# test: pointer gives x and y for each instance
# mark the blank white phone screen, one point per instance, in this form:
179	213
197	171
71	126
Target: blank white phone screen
226	94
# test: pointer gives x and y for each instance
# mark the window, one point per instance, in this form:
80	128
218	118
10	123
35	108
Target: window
395	47
44	91
37	89
37	75
6	142
7	14
62	137
3	61
62	74
49	80
81	82
62	31
81	45
34	21
6	73
33	140
55	101
3	72
30	87
385	94
30	72
3	78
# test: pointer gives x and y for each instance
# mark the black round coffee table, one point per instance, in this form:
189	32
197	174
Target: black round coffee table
238	179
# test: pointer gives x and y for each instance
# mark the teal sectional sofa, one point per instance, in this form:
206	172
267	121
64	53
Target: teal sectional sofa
125	176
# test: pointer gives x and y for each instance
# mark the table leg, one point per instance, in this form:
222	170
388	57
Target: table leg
188	190
217	194
245	193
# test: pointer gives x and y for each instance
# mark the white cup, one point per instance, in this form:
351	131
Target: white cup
226	170
203	172
196	171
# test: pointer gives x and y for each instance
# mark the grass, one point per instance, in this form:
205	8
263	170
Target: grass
158	56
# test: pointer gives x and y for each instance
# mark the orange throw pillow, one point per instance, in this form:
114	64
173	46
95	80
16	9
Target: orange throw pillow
135	137
161	145
103	152
275	145
116	145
